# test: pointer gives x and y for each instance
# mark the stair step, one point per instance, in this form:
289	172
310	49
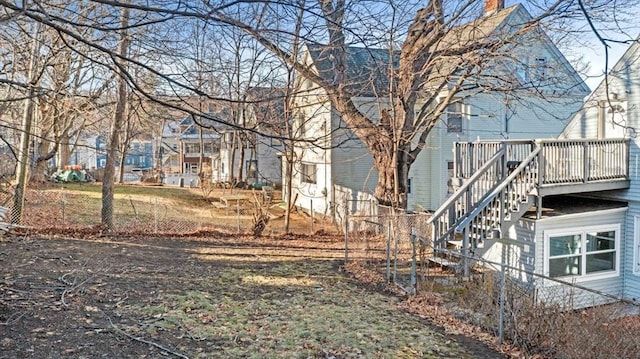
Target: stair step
456	243
444	262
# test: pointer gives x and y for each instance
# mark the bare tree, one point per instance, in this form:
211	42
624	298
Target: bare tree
427	53
447	52
118	120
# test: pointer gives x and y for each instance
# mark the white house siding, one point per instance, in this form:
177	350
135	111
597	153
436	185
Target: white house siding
623	86
269	163
485	117
558	292
351	160
314	195
517	249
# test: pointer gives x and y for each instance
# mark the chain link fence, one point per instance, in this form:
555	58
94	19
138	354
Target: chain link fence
545	316
56	206
542	316
393	243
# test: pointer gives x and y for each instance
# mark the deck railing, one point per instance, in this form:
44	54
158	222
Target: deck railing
560	161
583	161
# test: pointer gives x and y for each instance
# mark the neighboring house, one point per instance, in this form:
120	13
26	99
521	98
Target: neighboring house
339	167
139	155
261	152
84	153
566	209
181	146
235	146
267	118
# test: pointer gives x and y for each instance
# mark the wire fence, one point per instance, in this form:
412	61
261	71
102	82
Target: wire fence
546	316
389	240
541	315
56	206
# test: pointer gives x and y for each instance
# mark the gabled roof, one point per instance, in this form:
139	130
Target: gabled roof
623	70
267	109
366	68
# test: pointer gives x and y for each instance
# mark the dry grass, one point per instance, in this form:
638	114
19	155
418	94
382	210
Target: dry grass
155	209
276	299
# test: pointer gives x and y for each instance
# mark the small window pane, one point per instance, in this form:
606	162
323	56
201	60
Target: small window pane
601	262
308	173
454	117
601	241
560	267
564	245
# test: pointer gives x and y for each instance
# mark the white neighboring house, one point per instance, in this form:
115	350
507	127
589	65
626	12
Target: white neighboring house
339	168
260	152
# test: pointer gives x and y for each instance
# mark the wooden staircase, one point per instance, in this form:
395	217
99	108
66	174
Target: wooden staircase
510	178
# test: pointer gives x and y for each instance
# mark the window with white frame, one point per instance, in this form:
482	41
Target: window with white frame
454	117
449	178
540	67
583	252
302	119
308	172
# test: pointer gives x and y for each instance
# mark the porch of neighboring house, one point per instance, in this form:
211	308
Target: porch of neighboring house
498	182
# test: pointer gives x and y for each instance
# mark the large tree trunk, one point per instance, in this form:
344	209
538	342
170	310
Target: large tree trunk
118	121
393	177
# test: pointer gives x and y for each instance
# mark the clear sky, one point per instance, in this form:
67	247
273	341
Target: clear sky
597	62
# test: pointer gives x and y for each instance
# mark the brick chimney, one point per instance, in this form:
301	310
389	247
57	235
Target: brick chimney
491	6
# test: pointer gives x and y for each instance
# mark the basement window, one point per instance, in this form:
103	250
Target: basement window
583	253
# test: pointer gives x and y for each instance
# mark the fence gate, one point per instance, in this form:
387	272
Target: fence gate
392	243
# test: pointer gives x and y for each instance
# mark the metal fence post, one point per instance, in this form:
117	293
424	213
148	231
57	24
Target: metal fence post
64	202
155	215
238	215
395	256
389	252
346	231
312	216
502	298
412	282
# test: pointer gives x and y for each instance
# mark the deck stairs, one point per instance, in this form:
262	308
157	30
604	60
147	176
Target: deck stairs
509	180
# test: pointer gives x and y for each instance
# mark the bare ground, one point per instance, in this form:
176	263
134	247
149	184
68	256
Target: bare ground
214	296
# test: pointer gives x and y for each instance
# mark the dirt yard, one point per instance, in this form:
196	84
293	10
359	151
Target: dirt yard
216	296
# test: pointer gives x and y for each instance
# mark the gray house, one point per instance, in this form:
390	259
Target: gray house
257	147
565	209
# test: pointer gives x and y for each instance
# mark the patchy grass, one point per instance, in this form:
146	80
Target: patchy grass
150	297
151	209
183	196
290	309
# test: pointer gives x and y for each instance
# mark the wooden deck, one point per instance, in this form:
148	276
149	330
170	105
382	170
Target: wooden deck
498	182
561	166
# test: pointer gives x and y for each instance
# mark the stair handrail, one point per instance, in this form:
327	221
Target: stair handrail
482	204
464	188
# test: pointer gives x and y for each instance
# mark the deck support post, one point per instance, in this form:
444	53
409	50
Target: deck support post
465	252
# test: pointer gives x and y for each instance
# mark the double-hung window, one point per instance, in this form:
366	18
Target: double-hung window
454	117
583	252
